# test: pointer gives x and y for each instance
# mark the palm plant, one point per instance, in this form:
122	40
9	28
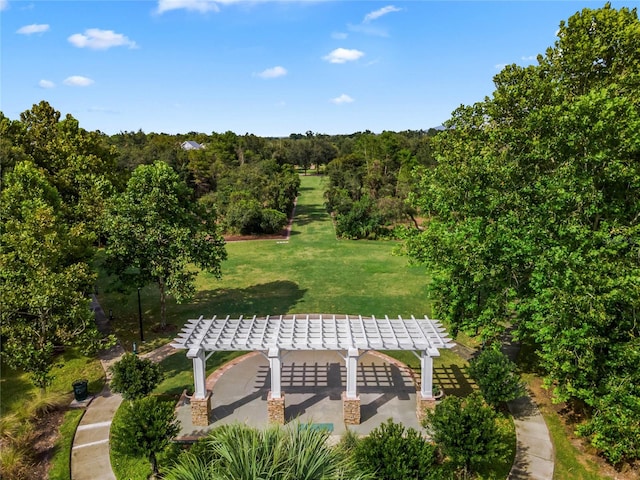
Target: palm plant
240	452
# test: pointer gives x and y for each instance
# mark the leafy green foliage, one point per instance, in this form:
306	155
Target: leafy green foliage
368	186
79	164
44	282
496	376
533	209
614	428
395	453
156	231
135	377
145	427
466	431
240	452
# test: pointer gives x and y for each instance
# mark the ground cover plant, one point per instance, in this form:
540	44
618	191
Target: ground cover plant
29	418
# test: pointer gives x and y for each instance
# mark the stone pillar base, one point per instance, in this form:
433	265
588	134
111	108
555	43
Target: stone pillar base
201	410
423	404
351	409
275	409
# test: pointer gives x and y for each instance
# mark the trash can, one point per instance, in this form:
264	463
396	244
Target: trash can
80	390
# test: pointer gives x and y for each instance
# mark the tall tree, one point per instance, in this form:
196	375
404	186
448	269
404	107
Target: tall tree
79	164
156	230
43	279
533	209
146	427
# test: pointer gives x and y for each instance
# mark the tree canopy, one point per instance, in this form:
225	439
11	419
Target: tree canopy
44	275
156	230
533	211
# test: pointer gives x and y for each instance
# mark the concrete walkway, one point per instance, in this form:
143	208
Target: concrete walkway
535	456
90	459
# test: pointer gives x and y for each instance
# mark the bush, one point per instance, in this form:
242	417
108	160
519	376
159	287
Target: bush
466	431
274	453
496	376
135	377
614	428
395	453
145	428
362	221
272	221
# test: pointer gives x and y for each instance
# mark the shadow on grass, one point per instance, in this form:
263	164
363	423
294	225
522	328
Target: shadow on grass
273	298
453	380
306	214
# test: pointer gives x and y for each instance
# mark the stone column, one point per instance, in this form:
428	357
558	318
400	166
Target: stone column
201	398
199	372
350	398
426	374
423	404
275	408
201	410
350	409
275	365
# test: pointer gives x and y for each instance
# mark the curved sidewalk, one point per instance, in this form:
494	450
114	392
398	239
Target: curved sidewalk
535	455
90	458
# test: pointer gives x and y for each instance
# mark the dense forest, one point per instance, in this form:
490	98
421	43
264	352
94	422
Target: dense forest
525	207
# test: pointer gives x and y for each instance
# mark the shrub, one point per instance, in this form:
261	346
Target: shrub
466	431
496	376
614	427
145	427
135	377
395	453
272	221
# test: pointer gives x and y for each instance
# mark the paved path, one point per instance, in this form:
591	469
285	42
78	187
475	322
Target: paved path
535	456
90	459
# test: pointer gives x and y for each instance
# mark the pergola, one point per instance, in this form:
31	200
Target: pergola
351	336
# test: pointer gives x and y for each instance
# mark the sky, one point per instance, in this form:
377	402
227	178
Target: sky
265	67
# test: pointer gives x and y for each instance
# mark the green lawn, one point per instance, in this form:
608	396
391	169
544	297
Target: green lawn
16	387
311	273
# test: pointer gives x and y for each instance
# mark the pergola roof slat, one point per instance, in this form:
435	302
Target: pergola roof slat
312	332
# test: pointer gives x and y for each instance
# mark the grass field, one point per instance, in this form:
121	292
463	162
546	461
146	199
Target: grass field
313	272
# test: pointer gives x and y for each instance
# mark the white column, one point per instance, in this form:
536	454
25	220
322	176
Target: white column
275	364
199	372
426	375
352	372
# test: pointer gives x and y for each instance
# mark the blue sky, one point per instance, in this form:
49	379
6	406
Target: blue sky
270	68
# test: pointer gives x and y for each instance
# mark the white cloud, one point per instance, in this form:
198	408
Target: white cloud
344	98
78	81
201	6
46	84
4	4
343	55
97	39
380	12
529	58
500	66
35	28
273	72
339	36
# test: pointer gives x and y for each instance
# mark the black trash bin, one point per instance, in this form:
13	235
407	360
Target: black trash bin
80	390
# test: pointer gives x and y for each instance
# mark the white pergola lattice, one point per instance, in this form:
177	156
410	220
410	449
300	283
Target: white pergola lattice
352	334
